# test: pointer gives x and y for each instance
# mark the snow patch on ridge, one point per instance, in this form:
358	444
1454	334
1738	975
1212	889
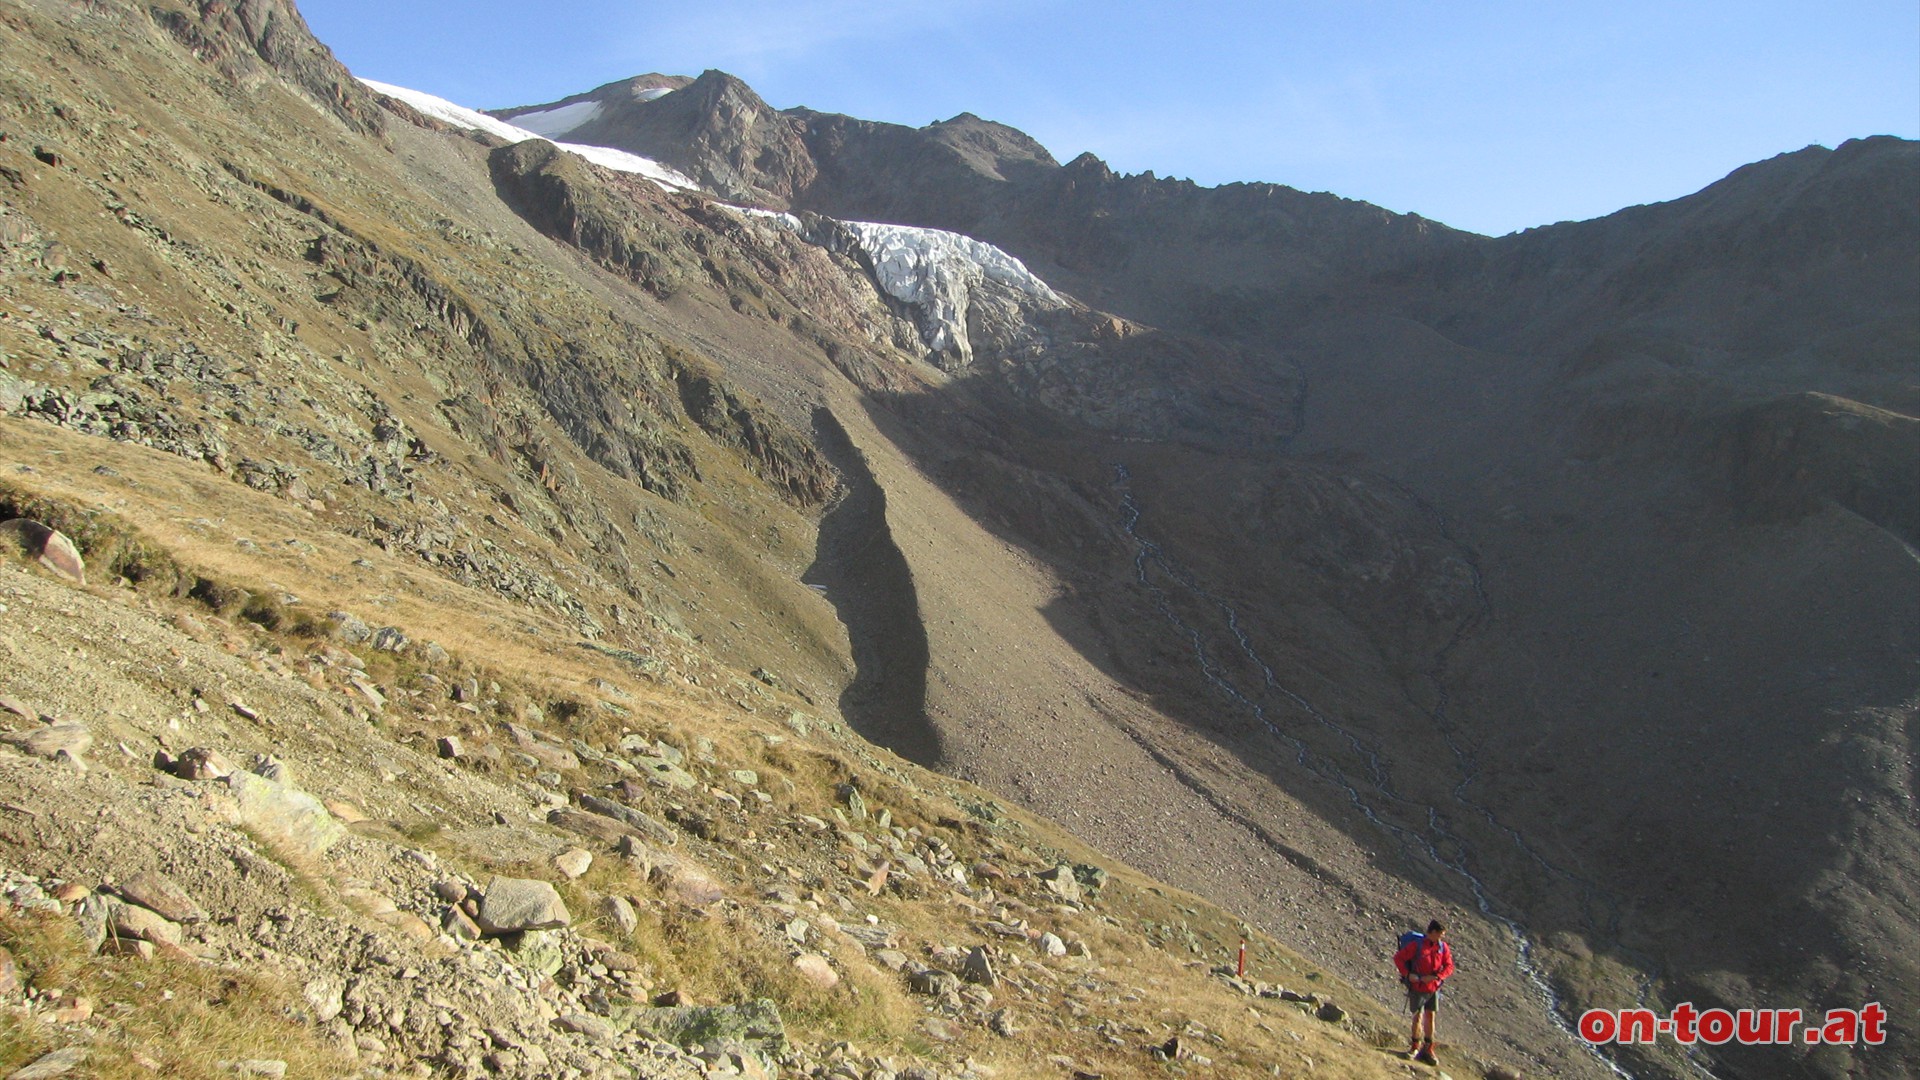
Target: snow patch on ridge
553	123
618	160
652	93
446	111
778	218
936	271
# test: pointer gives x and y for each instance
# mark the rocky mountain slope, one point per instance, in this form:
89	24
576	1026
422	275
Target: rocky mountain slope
1336	565
1619	449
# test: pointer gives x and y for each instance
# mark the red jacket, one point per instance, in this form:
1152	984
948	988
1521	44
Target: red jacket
1425	963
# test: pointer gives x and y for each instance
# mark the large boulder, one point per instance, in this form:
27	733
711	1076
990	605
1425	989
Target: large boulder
46	544
644	824
1061	882
511	905
161	894
285	814
753	1026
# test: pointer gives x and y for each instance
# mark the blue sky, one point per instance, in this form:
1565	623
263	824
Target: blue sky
1490	116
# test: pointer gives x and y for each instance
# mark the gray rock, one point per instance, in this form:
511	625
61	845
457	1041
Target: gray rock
47	1066
119	946
510	905
1061	882
817	970
538	951
979	967
754	1026
604	829
686	882
1331	1013
856	802
324	996
94	915
272	768
459	925
644	824
934	982
349	628
665	773
544	750
620	915
13	390
136	923
390	639
286	814
584	1024
449	747
200	763
161	894
871	936
51	740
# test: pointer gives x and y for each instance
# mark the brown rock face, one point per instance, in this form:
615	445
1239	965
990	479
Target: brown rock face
241	35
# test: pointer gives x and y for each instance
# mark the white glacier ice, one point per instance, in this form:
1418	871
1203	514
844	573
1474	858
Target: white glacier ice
936	272
460	116
553	123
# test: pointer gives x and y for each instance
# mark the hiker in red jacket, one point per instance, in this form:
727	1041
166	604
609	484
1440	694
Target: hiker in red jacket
1424	963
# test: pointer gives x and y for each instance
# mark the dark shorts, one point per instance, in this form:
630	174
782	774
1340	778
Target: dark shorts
1422	1001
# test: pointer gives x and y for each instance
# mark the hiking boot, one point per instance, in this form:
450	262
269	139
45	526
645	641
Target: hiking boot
1425	1055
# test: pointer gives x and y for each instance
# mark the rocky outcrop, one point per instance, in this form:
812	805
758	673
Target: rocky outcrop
555	191
241	35
1789	458
778	453
715	129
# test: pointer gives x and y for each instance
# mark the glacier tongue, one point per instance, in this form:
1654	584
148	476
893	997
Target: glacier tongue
936	271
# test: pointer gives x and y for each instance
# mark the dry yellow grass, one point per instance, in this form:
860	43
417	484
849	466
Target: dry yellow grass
174	1018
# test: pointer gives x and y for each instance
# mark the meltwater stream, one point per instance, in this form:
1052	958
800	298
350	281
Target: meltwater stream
1149	556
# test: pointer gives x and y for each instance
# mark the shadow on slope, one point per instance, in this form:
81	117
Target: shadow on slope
868	582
